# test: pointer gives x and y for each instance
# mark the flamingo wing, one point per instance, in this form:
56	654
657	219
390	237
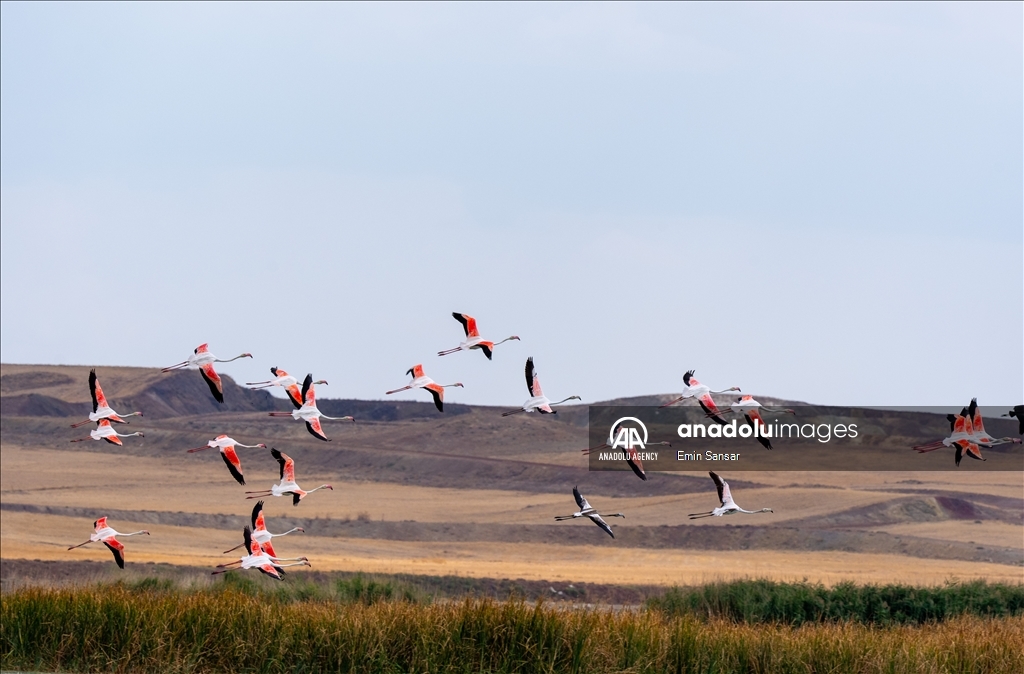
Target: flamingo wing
708	405
213	380
468	324
268	548
114	440
294	394
437	391
580	501
724	494
286	463
689	379
308	394
754	419
316	429
250	543
271	570
116	547
416	371
202	348
487	348
976	421
633	459
98	398
233	463
596	519
532	380
257	517
101	523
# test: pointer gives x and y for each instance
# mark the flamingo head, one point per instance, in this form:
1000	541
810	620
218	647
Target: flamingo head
459	384
735	388
246	355
327	486
352	419
261	445
767	510
141	434
515	337
145	532
322	381
300	529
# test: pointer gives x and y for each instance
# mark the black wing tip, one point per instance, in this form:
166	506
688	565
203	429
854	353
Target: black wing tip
487	352
295	499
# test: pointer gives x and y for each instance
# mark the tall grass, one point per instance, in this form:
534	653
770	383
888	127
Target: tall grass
755	601
156	629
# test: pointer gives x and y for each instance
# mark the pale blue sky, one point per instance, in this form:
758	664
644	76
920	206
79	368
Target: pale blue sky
818	202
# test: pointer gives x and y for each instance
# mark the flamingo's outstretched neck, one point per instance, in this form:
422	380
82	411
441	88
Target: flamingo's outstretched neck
241	355
567	399
506	339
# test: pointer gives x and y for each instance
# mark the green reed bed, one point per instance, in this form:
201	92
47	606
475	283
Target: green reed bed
161	629
756	601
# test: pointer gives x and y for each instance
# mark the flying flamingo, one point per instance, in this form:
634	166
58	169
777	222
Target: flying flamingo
473	338
100	408
104	431
1017	411
289	383
308	411
108	537
694	389
227	452
420	380
260	533
259	558
538	401
962	437
751	410
287	484
728	506
202	358
586	510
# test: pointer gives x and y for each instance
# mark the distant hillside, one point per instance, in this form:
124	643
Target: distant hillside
63	391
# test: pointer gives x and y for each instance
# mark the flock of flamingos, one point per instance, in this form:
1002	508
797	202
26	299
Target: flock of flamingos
967	436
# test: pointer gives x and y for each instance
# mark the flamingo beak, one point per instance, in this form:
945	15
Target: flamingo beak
302	530
261	446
